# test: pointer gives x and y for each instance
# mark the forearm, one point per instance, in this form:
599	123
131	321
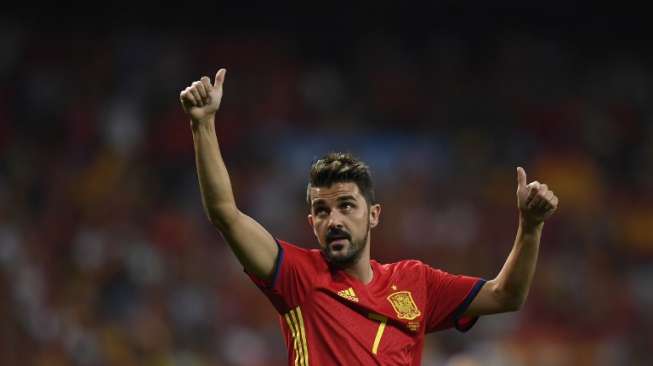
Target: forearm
255	248
514	280
215	186
508	291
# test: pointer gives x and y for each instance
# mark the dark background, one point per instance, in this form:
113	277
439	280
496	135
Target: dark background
106	257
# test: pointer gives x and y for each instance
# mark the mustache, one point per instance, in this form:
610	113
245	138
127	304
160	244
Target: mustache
337	233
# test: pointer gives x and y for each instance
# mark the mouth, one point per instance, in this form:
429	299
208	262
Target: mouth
338	243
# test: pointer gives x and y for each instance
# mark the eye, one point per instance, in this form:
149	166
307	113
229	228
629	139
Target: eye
347	206
320	211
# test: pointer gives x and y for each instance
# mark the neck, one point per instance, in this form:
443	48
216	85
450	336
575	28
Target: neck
362	270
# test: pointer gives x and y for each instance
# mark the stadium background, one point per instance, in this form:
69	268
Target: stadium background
106	257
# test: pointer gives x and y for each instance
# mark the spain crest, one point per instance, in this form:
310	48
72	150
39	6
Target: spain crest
404	305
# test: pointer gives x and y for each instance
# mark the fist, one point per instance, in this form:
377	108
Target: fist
536	202
202	99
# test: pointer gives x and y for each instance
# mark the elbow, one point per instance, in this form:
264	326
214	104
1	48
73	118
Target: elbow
513	304
508	300
222	216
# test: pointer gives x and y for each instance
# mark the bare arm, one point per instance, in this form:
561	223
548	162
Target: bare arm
508	291
253	245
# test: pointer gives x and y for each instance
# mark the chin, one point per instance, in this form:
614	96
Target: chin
343	260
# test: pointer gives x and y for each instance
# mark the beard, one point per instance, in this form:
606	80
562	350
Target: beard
351	254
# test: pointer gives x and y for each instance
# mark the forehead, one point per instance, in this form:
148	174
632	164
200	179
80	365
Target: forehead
335	191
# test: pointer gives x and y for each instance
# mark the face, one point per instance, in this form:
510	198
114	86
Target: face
341	220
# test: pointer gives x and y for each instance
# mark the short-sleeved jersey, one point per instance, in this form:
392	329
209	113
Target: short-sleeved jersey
331	318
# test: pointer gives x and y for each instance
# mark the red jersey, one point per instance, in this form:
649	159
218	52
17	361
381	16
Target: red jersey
330	318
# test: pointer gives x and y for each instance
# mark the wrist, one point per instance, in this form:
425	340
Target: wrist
200	124
530	224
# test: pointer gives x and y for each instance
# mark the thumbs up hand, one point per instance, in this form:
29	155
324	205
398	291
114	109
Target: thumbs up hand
202	99
535	201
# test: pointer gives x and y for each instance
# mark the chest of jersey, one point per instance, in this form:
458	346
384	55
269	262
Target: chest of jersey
378	323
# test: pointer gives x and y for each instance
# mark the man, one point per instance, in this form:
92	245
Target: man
336	305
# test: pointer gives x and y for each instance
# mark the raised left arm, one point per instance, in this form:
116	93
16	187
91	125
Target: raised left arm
508	291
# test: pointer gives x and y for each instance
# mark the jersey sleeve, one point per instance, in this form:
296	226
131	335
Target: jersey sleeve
448	296
291	279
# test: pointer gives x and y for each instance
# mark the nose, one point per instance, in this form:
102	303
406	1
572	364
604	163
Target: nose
335	221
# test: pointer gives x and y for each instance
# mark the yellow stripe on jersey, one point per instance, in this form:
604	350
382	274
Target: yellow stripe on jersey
303	333
295	341
296	325
298	334
379	333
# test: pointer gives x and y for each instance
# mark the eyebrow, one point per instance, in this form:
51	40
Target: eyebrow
321	201
346	198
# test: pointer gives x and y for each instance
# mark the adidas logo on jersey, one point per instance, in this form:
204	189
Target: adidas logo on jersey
348	294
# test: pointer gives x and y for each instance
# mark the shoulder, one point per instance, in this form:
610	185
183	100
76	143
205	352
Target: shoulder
293	252
407	264
414	269
411	270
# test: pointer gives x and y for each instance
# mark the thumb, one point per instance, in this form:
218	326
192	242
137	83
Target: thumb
521	177
219	77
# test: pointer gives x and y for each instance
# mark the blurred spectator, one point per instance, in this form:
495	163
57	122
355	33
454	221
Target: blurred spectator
106	257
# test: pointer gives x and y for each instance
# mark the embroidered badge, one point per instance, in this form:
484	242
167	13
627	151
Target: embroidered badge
404	305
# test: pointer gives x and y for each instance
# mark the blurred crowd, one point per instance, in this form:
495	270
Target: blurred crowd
106	257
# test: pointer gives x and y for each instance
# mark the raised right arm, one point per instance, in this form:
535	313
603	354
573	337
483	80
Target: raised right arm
255	248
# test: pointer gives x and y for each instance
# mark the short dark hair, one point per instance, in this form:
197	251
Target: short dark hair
338	167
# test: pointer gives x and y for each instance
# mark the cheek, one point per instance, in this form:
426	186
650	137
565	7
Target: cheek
362	217
360	223
318	227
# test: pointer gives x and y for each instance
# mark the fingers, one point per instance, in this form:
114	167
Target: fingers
533	186
219	78
534	195
187	97
196	94
206	81
543	200
541	204
542	194
535	200
521	177
198	98
548	195
204	94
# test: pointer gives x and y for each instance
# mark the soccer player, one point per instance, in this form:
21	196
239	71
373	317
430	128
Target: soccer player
336	305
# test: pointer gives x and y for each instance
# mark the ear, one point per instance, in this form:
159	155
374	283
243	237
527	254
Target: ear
375	214
310	222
